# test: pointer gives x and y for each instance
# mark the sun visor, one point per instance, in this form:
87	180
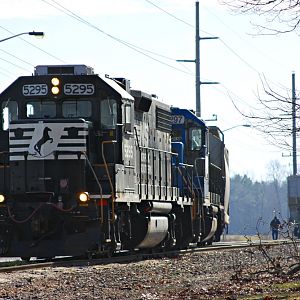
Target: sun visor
142	102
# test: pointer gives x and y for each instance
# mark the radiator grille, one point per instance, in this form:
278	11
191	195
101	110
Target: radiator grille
163	120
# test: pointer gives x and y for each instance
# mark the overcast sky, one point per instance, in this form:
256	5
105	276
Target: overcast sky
141	40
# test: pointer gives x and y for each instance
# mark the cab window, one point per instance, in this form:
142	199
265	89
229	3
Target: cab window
9	113
176	135
76	109
128	118
195	135
108	113
40	109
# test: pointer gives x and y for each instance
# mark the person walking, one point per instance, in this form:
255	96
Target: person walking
275	223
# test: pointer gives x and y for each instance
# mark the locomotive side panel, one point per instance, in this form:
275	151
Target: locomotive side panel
153	148
126	182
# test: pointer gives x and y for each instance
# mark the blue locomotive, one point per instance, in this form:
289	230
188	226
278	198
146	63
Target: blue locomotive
90	166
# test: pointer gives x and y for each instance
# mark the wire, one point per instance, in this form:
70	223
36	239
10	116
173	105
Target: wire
20	59
171	15
241	38
9	74
228	92
135	48
222	40
40	49
237	55
15	65
6	75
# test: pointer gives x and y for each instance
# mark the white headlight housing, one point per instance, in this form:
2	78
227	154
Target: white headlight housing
84	197
2	198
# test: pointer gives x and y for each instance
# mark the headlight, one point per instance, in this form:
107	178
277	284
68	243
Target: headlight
55	90
55	81
84	197
2	198
55	85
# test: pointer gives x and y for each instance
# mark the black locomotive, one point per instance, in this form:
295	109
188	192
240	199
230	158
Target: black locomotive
89	166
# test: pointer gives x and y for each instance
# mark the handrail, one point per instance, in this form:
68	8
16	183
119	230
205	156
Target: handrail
109	179
99	185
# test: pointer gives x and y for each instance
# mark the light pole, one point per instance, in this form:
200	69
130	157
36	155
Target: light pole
35	33
241	125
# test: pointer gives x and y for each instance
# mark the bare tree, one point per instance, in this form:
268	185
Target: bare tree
277	174
272	115
283	13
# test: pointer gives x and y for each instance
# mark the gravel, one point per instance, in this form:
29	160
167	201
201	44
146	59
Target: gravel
210	275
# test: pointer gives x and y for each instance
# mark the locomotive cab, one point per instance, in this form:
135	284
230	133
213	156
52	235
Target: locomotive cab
65	130
206	171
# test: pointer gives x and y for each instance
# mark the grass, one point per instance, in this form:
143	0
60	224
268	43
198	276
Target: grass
288	285
286	291
273	296
12	263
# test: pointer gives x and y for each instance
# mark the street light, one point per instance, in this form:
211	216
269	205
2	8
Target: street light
242	125
35	33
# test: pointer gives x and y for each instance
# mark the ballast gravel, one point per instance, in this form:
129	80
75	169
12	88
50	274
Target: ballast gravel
228	274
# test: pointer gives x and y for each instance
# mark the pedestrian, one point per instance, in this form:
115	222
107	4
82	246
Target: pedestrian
275	223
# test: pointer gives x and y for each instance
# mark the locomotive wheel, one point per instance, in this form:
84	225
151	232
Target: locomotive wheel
48	258
209	242
89	255
206	243
26	258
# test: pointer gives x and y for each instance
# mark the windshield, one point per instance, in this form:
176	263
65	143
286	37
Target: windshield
108	113
195	138
9	113
77	108
40	109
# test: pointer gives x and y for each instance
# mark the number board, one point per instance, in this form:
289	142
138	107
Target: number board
177	119
79	89
39	89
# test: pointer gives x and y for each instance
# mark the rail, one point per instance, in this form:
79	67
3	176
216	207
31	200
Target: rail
128	257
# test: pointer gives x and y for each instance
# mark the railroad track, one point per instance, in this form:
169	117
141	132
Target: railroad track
125	257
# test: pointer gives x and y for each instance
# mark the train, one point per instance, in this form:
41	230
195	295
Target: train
293	184
90	166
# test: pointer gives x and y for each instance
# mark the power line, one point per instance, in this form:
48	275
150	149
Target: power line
15	65
16	57
171	15
7	73
237	55
222	40
228	47
135	48
241	38
32	45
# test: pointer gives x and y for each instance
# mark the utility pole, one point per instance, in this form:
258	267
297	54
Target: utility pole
197	61
294	125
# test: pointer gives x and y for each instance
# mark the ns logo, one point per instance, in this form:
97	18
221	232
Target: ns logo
45	139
